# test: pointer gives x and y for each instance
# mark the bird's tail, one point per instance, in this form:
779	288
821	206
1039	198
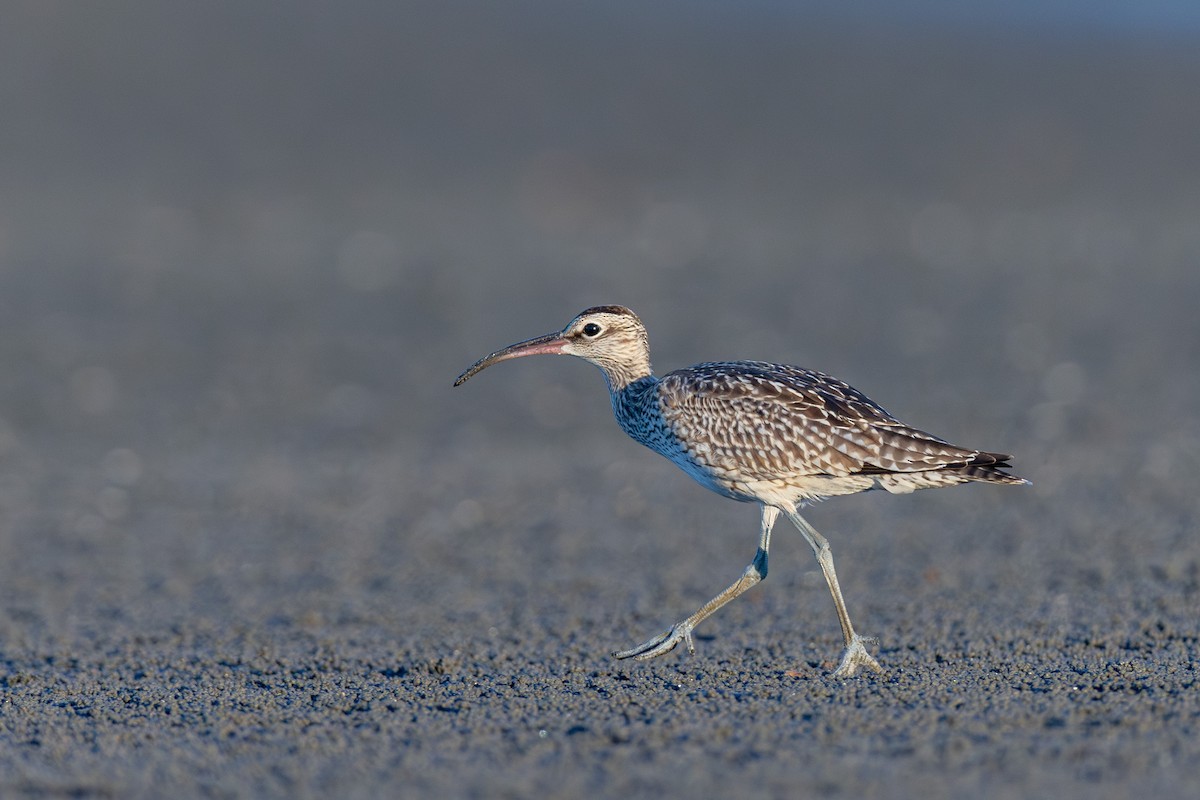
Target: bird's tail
989	468
983	467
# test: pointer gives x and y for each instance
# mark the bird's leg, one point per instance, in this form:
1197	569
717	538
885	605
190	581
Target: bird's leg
856	654
682	631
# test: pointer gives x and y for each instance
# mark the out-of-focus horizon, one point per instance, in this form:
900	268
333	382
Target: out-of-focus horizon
935	177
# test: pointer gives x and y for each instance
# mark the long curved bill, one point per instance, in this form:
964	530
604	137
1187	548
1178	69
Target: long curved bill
550	344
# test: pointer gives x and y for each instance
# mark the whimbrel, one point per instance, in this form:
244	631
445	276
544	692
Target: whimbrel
780	436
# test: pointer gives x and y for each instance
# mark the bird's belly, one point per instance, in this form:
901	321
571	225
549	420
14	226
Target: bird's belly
714	479
801	490
783	491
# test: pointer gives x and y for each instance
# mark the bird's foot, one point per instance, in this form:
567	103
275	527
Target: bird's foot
856	656
661	644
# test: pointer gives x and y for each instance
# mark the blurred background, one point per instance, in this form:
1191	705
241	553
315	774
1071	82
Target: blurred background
250	536
245	248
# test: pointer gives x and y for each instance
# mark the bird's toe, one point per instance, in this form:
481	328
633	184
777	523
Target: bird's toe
856	656
660	645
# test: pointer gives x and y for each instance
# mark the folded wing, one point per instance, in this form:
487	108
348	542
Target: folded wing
765	421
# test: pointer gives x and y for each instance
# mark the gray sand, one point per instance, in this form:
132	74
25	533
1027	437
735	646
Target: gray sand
253	544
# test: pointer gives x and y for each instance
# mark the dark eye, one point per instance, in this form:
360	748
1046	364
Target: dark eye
591	329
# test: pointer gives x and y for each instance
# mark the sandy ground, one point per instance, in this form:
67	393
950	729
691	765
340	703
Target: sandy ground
253	544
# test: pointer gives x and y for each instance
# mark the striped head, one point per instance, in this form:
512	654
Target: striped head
611	337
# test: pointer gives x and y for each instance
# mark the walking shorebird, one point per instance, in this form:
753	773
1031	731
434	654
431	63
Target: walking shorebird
780	436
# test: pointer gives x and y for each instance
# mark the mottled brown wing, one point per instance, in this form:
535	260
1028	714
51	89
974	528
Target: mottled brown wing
763	421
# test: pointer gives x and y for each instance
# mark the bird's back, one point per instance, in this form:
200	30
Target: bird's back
750	429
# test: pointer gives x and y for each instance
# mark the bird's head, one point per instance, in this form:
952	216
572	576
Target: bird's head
611	337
